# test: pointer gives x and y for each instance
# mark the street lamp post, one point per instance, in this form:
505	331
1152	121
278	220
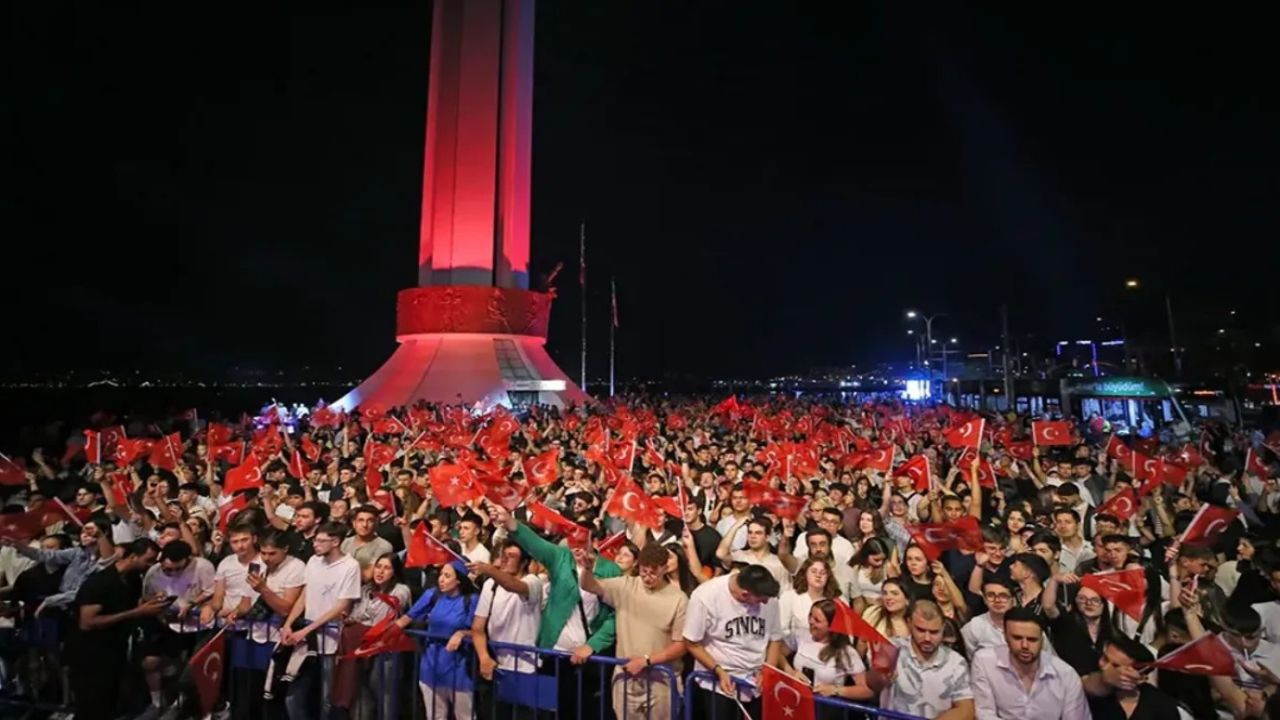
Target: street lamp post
928	335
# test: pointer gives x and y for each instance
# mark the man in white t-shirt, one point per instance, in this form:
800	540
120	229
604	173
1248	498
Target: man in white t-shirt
469	538
733	628
332	585
278	586
188	581
841	550
508	611
232	596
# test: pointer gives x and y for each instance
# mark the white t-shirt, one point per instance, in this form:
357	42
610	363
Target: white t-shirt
233	575
512	619
327	584
477	554
769	562
292	573
574	635
831	672
726	524
793	613
864	586
191	583
1270	614
736	635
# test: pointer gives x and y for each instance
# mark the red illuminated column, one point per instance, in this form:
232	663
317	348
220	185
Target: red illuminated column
475	195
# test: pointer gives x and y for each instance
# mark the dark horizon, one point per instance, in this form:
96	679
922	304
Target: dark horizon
772	190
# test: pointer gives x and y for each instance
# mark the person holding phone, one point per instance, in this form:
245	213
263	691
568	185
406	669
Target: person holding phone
185	582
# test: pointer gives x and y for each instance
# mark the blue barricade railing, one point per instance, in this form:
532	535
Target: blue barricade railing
837	704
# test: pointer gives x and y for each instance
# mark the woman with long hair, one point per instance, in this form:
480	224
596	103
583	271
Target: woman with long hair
814	581
869	525
1080	633
917	578
678	572
625	559
889	615
448	609
384	596
827	660
869	572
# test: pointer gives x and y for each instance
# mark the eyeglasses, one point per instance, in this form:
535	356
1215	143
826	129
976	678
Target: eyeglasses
1089	601
1002	597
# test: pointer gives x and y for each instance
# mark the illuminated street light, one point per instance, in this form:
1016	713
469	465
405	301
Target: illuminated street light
1131	283
911	314
954	341
911	332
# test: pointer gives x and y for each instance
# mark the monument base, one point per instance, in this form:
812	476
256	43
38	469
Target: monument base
466	368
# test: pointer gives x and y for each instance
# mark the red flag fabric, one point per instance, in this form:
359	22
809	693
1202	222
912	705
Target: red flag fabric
121	488
378	455
623	455
542	469
1207	655
389	426
1123	505
934	538
219	434
501	491
310	449
453	485
167	452
425	550
93	447
1023	450
385	637
848	622
1144	467
207	666
228	511
126	451
967	435
1190	456
233	453
1051	432
296	466
784	505
247	476
631	504
1253	464
1117	449
986	473
1127	589
669	505
917	468
609	546
13	472
550	521
22	527
1172	473
1208	524
785	697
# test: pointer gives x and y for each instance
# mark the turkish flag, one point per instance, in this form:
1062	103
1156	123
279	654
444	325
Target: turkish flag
934	538
310	449
542	469
1023	450
1051	432
1146	445
121	488
676	422
1208	524
385	637
1122	505
917	468
1190	456
728	405
549	521
1172	473
232	453
296	466
219	434
1143	467
502	491
247	476
111	436
1117	449
426	551
623	455
93	447
968	435
785	697
609	546
453	485
1254	465
1126	588
670	505
22	527
1207	655
389	426
378	455
207	666
167	452
126	451
784	505
848	622
13	472
228	511
631	504
324	417
986	473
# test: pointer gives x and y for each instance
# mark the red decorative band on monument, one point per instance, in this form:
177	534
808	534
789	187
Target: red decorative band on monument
472	309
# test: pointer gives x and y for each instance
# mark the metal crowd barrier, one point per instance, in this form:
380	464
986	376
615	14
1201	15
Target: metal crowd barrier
826	707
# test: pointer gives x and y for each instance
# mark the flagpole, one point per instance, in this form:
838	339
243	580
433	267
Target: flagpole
582	283
613	327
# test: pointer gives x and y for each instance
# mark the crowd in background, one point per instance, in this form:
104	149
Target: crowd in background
1016	574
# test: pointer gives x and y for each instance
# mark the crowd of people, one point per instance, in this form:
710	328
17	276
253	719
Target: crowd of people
879	553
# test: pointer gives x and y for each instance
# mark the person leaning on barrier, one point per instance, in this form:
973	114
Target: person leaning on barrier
1019	680
650	623
733	628
930	680
507	612
188	581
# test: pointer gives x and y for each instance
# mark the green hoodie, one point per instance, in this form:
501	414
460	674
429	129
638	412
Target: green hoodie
563	596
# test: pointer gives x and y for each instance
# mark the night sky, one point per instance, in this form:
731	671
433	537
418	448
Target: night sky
772	184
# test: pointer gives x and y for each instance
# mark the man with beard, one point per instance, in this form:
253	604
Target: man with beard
1020	680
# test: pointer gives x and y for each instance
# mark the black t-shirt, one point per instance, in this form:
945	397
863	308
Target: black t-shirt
1152	703
705	541
299	544
1072	643
115	594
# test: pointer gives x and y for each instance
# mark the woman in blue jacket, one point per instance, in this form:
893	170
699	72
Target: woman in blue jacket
448	610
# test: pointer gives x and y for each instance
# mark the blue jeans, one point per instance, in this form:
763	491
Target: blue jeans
308	695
